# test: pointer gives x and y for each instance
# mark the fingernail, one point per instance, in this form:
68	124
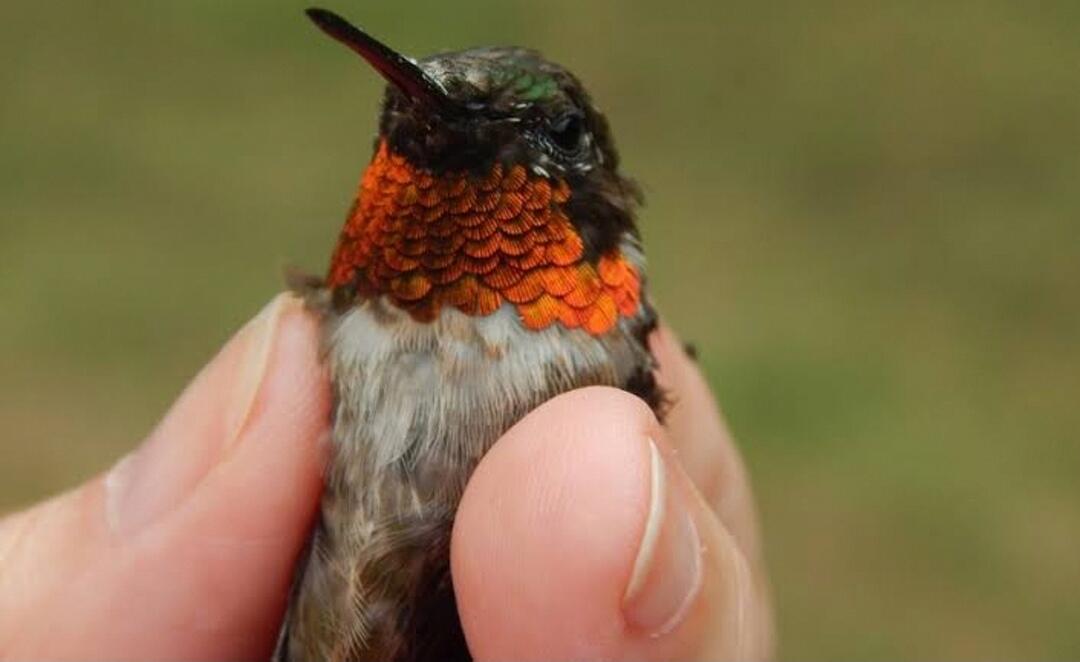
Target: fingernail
667	570
258	339
205	422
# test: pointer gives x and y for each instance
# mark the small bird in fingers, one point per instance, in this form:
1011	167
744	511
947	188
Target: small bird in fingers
490	261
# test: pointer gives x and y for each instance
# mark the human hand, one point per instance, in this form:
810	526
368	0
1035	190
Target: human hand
185	549
589	532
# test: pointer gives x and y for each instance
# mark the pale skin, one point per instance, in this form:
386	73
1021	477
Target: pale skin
589	531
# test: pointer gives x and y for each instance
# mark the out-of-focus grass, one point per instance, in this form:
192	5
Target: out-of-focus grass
865	216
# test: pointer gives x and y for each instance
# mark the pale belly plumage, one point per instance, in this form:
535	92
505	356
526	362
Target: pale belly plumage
417	406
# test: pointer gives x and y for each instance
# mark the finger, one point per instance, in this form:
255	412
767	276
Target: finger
185	549
704	445
580	537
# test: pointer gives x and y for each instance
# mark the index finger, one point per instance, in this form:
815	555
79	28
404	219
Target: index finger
704	445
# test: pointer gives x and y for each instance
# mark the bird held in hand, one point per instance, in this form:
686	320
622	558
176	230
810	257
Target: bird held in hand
489	262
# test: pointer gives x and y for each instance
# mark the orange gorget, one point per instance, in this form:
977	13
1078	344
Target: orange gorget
427	241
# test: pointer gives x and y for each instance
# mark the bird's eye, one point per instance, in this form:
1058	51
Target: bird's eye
567	131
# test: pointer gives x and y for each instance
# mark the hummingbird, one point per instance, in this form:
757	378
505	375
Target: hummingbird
489	262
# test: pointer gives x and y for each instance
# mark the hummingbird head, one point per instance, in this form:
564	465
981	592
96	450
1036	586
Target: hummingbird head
495	181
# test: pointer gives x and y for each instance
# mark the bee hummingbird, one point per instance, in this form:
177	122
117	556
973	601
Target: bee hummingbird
490	261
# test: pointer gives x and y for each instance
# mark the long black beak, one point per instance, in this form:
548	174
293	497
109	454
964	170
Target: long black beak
397	69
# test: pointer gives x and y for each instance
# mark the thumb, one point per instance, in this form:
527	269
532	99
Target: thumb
185	549
581	537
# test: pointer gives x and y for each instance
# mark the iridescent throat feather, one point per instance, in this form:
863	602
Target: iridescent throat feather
429	241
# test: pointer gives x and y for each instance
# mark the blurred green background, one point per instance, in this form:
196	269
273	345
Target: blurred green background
864	214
